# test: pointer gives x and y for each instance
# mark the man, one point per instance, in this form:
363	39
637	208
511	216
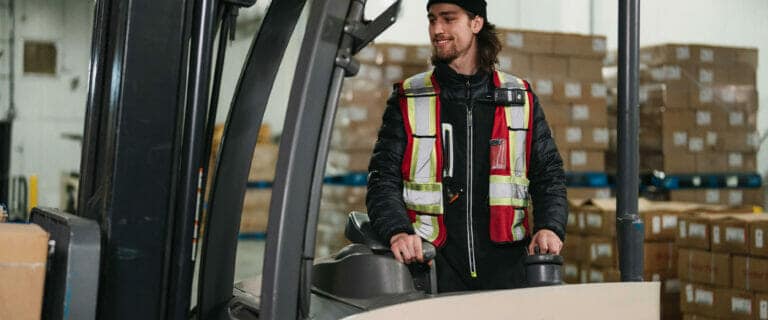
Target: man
459	151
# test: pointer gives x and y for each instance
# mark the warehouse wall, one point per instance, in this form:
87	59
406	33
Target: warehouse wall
734	23
51	105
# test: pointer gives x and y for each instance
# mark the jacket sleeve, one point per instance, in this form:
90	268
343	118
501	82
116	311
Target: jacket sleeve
547	178
384	199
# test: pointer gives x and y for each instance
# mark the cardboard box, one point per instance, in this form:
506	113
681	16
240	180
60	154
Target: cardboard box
679	162
660	258
600	275
694	231
583	114
750	273
758	230
700	300
740	120
549	66
354	136
579	45
704	267
739	141
732	235
585	69
589	193
526	41
602	251
352	161
746	56
600	217
544	88
712	162
742	162
573	248
740	75
736	304
582	137
23	255
660	225
585	161
263	163
576	223
667	53
557	114
515	63
570	272
761	300
670	306
695	317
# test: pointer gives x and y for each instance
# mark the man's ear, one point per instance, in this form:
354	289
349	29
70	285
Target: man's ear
477	24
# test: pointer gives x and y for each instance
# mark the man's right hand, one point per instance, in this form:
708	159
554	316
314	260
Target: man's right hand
406	247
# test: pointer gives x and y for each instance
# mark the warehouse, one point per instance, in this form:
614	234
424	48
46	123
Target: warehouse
127	119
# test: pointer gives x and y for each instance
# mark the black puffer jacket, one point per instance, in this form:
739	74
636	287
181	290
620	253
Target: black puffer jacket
459	94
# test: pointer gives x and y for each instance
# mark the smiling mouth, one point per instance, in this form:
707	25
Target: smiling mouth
441	42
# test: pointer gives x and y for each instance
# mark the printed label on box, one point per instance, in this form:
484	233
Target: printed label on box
584	276
736	119
601	250
683	230
697	230
596	276
573	90
598	45
594	220
544	87
696	144
706	76
367	54
752	140
689	293
716	234
672	73
396	54
656	225
600	135
580	112
683	53
578	158
599	90
668	221
571	219
707	55
571	270
711	138
706	95
758	238
763	309
515	40
703	118
734	234
680	138
735	160
712	196
736	198
741	305
573	134
705	297
643	95
603	194
728	96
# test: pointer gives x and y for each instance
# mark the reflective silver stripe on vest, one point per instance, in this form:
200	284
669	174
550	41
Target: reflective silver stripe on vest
518	229
508	189
427	227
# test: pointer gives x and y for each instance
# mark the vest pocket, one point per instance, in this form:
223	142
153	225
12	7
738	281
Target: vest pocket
499	154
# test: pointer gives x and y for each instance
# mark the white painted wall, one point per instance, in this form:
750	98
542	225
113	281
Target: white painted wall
49	106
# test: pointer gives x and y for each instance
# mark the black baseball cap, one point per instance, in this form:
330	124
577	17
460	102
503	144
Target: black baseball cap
474	6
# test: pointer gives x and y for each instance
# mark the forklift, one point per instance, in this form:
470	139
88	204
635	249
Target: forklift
131	249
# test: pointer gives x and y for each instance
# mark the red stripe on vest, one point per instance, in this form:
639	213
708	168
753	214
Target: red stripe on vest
528	143
439	137
405	167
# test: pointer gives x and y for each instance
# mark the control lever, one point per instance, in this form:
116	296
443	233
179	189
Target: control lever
543	269
428	250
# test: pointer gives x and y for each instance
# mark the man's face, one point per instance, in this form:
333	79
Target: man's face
451	31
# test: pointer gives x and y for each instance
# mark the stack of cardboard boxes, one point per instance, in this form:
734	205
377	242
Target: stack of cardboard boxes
358	119
698	116
565	71
590	248
723	263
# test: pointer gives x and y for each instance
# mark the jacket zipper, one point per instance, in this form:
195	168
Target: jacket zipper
470	159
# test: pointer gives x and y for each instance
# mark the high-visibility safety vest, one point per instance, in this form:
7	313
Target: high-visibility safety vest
422	165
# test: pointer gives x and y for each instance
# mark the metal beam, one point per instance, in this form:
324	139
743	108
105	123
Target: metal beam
629	226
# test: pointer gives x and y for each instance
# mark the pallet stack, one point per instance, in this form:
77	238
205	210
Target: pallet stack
590	248
565	71
723	263
698	117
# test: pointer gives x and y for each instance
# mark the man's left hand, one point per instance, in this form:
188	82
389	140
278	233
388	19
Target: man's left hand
547	241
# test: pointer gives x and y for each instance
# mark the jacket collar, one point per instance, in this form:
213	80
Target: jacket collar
449	78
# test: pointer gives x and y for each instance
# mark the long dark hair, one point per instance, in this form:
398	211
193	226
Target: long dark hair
488	45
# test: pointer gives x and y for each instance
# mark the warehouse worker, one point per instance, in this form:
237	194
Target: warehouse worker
459	151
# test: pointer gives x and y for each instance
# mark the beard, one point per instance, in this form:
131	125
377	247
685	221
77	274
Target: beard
447	53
